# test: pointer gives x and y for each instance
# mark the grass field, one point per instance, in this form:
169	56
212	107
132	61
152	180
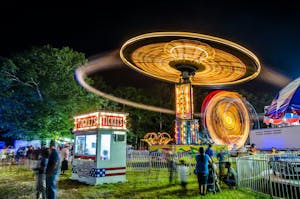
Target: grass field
19	182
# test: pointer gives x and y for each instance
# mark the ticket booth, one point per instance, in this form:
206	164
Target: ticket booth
99	148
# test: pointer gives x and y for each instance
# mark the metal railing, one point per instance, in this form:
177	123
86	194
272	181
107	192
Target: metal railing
143	159
276	175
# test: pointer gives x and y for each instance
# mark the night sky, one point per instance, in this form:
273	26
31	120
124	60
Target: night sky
269	29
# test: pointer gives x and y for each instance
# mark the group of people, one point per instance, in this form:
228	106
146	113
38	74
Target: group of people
205	165
206	171
47	170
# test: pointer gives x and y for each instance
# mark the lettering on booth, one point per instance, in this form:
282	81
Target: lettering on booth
87	122
112	121
100	120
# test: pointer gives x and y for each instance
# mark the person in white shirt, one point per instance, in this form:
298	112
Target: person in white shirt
183	172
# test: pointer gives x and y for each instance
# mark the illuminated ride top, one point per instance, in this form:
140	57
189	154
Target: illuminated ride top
189	59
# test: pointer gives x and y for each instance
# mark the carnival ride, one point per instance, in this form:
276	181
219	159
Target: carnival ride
227	118
185	59
285	107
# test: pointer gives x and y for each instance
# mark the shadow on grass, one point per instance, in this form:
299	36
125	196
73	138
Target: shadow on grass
71	184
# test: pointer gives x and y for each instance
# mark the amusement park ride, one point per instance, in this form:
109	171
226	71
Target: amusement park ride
190	59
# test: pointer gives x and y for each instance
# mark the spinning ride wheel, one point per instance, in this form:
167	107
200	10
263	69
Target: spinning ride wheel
226	117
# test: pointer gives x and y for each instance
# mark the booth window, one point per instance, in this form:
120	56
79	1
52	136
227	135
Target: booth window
119	136
85	144
105	147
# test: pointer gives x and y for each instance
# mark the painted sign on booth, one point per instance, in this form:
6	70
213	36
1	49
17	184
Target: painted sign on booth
101	120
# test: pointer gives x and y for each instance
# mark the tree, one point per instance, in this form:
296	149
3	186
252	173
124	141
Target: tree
40	94
141	121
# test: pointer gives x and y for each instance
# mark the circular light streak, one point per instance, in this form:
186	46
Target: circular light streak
218	61
227	118
191	49
102	63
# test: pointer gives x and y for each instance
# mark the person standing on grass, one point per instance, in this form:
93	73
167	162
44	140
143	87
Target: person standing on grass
201	170
221	158
11	156
64	157
52	171
4	155
171	166
41	174
183	172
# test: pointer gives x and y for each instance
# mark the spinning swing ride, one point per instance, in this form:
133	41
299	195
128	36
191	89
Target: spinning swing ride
190	59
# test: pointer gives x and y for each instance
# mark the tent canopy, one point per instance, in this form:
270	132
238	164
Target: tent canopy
285	107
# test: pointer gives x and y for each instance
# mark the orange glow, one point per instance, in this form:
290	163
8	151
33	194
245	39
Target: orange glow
227	119
157	54
153	138
184	101
202	45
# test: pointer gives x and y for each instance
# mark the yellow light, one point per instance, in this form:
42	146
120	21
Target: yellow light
153	138
215	65
183	101
208	77
192	50
227	119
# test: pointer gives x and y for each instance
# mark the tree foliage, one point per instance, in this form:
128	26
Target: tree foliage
40	95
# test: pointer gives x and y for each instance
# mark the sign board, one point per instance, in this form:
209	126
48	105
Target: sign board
101	120
280	138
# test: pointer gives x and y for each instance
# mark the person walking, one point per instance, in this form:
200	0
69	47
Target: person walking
11	157
41	174
201	170
4	155
221	158
171	166
52	172
183	171
64	157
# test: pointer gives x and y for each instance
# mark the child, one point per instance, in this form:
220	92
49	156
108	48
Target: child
41	174
183	171
217	186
